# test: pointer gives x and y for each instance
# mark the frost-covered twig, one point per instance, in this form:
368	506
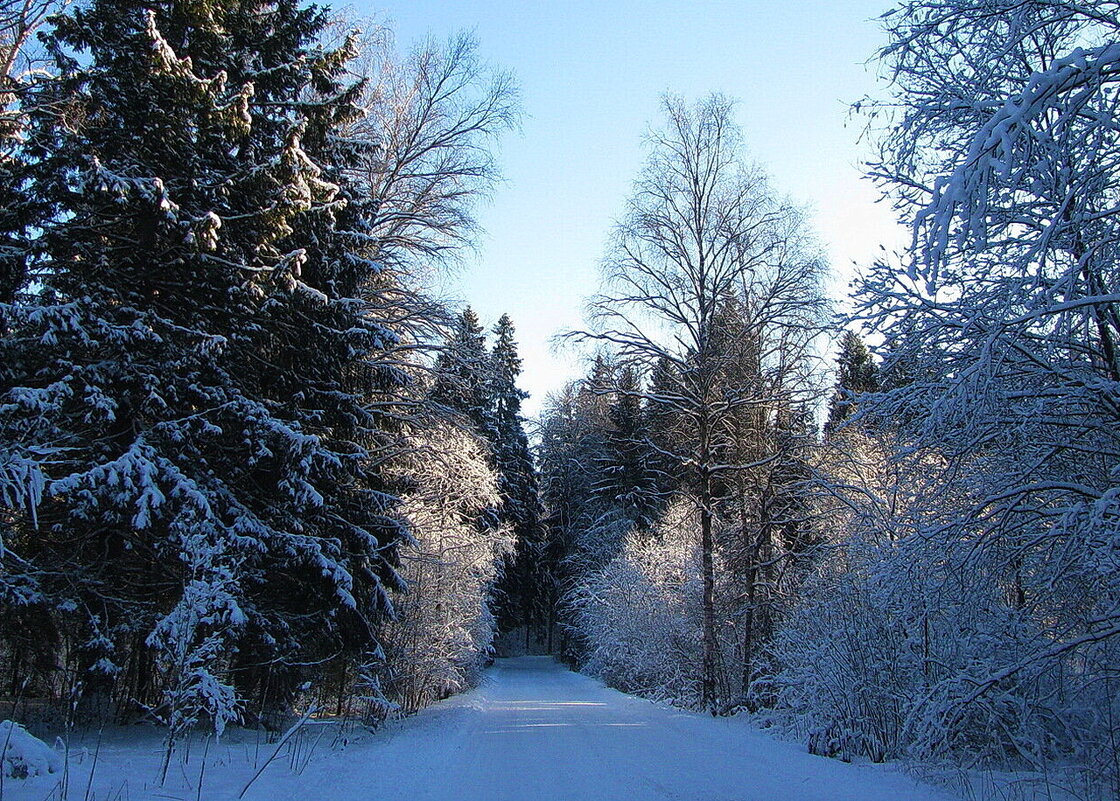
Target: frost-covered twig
280	744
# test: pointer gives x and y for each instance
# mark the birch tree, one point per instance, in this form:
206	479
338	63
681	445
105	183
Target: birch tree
440	638
435	116
703	232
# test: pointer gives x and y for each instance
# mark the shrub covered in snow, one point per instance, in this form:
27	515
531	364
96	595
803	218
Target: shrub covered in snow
640	613
24	754
441	635
920	636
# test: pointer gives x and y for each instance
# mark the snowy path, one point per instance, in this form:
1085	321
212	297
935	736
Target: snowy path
535	730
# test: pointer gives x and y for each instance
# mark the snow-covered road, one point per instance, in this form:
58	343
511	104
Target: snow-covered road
535	730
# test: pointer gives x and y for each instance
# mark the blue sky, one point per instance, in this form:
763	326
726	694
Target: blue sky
591	75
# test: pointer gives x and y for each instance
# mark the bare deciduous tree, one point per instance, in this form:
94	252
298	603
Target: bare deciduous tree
433	118
19	19
1001	332
441	636
1007	156
704	239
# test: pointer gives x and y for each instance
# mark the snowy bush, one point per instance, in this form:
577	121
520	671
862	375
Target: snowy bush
1001	368
920	636
640	613
440	638
900	654
25	755
192	640
1001	329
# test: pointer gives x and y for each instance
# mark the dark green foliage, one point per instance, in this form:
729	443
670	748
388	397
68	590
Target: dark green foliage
463	382
481	389
856	374
522	597
198	363
630	476
517	475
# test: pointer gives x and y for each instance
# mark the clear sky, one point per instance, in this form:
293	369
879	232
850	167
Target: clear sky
591	75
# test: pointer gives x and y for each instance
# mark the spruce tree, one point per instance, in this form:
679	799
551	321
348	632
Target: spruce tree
463	382
663	422
18	212
856	374
197	358
521	588
511	445
629	478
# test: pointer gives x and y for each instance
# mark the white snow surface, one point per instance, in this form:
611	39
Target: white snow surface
533	731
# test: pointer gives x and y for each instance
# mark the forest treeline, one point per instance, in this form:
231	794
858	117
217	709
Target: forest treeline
934	573
247	464
236	478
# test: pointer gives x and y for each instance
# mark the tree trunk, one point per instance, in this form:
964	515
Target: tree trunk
707	568
748	630
708	690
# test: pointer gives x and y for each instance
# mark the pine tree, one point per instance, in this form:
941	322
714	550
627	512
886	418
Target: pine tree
856	373
520	588
197	355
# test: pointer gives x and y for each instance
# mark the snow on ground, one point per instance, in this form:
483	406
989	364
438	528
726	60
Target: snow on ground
533	732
